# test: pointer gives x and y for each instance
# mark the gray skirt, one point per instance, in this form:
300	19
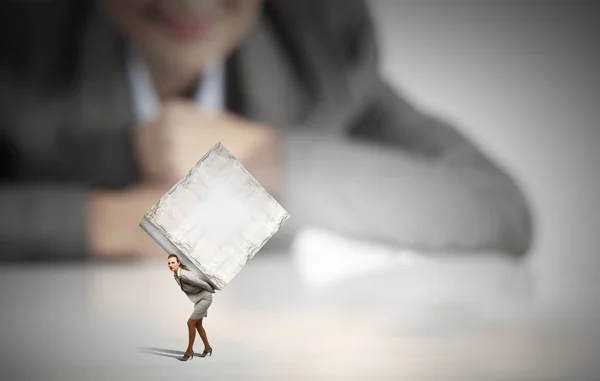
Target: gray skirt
201	306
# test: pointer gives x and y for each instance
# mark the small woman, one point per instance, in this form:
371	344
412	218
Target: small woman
199	293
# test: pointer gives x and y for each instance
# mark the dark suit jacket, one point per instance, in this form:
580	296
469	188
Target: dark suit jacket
360	159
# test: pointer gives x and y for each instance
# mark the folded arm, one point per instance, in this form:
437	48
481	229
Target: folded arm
452	200
397	175
192	278
42	221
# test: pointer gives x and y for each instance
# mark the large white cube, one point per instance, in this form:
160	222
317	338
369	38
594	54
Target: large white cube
217	217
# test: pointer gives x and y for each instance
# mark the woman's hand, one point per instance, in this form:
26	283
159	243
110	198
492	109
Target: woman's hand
113	222
168	147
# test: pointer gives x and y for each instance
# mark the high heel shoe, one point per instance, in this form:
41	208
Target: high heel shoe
188	357
206	353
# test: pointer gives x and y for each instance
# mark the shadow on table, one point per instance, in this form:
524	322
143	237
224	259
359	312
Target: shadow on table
162	352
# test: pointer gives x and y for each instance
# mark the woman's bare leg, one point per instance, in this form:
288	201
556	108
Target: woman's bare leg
191	335
202	334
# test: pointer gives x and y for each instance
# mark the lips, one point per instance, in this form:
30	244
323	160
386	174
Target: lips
185	20
185	28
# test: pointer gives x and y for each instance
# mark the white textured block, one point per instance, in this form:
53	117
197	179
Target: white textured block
218	217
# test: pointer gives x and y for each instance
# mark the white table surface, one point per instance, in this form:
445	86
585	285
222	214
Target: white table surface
125	321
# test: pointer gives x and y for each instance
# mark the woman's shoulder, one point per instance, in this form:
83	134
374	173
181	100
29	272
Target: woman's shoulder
185	273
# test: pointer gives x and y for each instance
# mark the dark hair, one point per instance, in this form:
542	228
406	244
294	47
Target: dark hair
178	261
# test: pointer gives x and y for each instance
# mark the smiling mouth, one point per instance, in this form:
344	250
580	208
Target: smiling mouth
181	24
186	29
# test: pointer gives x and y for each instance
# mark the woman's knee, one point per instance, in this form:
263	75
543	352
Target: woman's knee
199	323
192	322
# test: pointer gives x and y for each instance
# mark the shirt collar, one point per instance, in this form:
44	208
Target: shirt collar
209	94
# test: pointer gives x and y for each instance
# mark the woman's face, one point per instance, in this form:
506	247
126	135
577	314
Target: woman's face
183	32
173	264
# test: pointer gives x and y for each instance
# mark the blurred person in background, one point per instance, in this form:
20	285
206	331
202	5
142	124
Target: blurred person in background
105	105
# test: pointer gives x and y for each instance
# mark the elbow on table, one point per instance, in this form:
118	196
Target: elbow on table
521	239
517	222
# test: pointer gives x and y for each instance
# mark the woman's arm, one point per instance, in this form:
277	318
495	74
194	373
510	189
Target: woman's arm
394	173
190	277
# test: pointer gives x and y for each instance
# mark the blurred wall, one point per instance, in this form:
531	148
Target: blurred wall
520	78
